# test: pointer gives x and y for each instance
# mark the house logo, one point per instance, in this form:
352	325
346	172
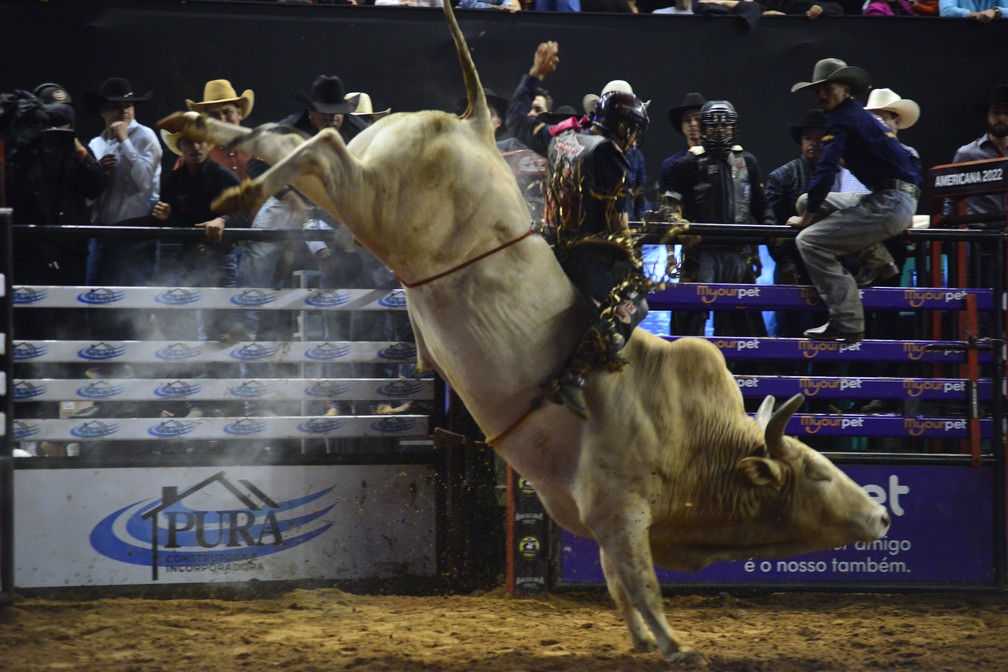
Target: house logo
322	425
394	299
24	351
250	298
94	429
394	425
246	427
169	429
327	389
398	389
25	389
101	296
253	352
217	527
101	352
27	295
100	389
252	389
179	296
177	389
177	352
327	351
24	430
327	298
399	352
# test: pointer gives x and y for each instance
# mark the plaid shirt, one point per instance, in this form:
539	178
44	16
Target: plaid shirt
978	150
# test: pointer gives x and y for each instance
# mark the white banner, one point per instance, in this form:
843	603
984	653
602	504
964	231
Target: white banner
292	427
272	352
35	296
132	526
222	389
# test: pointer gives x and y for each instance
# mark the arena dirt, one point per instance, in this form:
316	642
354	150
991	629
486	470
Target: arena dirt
324	630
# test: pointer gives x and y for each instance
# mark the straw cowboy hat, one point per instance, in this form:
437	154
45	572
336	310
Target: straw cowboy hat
364	108
327	96
220	91
588	102
835	70
889	100
112	90
691	101
171	141
813	119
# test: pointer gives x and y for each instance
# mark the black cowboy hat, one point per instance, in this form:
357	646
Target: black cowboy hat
112	90
813	119
562	113
691	101
327	96
835	70
998	96
493	100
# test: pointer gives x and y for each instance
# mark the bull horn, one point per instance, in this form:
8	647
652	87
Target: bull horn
764	412
773	434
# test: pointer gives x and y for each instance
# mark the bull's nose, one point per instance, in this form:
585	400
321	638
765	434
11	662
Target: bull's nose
884	519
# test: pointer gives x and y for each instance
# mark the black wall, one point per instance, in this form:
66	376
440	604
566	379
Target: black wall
404	58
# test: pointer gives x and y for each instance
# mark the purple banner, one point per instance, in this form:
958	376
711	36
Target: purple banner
942	531
856	387
736	349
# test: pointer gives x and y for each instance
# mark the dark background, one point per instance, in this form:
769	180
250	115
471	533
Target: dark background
404	59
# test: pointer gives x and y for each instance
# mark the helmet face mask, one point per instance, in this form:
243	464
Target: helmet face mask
621	117
718	124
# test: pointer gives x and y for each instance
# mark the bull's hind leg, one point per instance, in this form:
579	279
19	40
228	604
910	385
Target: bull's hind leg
633	584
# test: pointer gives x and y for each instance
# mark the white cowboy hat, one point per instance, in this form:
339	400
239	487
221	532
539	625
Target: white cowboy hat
364	108
889	100
218	91
588	102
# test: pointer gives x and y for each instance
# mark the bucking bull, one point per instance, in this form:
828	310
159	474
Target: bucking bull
669	469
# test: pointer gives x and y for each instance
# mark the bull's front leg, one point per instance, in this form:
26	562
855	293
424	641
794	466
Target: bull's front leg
633	584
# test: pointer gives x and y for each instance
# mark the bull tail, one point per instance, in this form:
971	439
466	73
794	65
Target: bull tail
476	110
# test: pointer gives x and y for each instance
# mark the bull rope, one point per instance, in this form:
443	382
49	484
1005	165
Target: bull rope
451	270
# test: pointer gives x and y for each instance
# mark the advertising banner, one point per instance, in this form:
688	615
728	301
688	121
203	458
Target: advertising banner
942	532
131	526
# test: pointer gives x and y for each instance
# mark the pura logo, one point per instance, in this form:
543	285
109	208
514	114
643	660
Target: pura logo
24	296
394	299
177	389
327	298
100	389
101	351
327	389
24	350
401	388
25	389
328	351
399	352
253	297
252	389
179	296
101	296
177	352
215	527
253	352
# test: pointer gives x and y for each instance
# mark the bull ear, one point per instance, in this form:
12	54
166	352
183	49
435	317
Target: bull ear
761	471
773	433
763	414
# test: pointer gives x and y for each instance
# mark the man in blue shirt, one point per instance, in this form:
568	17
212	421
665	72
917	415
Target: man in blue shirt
870	150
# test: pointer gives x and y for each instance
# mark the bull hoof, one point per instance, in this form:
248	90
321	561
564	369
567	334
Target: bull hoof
645	645
687	659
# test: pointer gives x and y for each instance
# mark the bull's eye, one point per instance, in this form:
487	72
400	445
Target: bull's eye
814	471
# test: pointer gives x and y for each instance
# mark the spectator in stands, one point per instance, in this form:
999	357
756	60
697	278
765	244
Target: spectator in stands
783	188
718	182
589	206
222	102
877	159
408	3
498	112
558	5
638	171
992	144
686	120
889	8
808	8
267	263
365	108
130	155
186	195
981	11
680	7
511	6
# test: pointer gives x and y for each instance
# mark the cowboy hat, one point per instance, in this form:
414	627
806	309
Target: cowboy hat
998	96
220	91
691	101
588	102
112	90
562	113
327	96
889	100
813	119
364	108
835	70
171	140
493	100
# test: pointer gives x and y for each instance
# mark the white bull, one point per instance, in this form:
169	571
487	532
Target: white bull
669	470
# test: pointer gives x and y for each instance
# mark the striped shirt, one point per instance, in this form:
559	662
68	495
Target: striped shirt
978	150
